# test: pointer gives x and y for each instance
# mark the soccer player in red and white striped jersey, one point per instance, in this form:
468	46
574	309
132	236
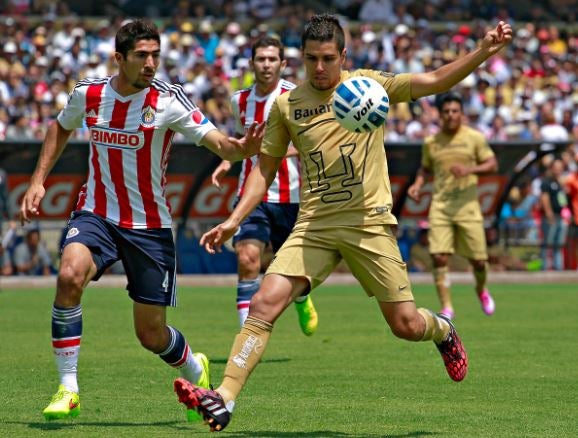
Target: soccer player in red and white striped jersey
274	217
122	213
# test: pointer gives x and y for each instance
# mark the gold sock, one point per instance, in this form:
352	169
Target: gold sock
481	278
442	282
436	328
246	353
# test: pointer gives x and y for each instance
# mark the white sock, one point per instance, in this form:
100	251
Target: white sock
191	369
243	312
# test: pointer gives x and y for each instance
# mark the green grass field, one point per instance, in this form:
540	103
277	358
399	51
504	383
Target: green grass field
351	379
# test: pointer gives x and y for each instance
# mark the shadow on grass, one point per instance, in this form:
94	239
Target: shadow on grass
220	360
328	434
65	424
68	424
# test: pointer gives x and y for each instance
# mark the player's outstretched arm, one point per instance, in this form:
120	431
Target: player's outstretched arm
235	149
54	143
445	77
257	184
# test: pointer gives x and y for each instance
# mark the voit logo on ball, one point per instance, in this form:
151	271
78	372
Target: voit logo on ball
360	104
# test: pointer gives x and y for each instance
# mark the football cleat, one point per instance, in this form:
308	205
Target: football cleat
63	404
307	316
208	403
204	381
453	353
487	302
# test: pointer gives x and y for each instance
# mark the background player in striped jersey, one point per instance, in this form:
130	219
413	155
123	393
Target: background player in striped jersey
274	217
456	156
122	213
344	213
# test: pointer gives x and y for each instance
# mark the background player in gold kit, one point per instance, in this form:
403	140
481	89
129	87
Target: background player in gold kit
456	156
345	210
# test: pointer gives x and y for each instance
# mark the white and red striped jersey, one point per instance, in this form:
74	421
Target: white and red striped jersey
248	108
130	142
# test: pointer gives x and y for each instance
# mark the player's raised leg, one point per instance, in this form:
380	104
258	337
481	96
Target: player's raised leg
408	322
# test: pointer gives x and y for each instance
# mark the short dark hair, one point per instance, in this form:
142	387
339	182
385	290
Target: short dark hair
133	31
442	99
324	27
268	41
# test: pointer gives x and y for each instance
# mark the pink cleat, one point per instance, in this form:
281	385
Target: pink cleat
448	311
488	305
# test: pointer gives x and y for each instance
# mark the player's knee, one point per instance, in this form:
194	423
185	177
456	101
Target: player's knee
439	260
265	307
406	327
249	264
479	265
151	339
70	279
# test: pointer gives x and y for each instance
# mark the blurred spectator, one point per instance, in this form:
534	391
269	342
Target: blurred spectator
551	130
553	202
4	205
41	59
262	10
499	256
208	41
31	256
6	246
571	186
377	11
20	128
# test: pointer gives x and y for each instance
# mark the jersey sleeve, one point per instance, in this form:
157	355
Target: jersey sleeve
277	136
72	115
397	85
185	117
483	149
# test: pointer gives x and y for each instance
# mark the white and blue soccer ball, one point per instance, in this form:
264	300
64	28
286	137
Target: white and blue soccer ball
360	104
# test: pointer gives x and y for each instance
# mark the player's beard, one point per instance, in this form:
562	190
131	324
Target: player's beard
142	83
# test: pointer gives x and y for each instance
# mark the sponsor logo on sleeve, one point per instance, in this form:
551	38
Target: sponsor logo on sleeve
198	117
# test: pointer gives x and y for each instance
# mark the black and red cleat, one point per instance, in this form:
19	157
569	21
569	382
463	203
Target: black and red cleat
206	402
453	353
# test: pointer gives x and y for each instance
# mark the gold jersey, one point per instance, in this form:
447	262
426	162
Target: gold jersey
344	175
453	197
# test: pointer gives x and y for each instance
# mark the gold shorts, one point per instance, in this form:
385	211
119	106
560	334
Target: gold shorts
467	239
370	252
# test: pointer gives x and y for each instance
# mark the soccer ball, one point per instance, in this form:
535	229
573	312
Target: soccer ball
360	104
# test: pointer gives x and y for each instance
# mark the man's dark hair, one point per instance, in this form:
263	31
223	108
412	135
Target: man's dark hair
267	41
136	30
442	99
323	28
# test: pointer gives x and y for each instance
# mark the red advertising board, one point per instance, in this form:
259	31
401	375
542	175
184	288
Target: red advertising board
191	193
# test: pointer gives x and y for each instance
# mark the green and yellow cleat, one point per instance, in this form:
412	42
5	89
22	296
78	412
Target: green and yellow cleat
64	404
307	316
204	382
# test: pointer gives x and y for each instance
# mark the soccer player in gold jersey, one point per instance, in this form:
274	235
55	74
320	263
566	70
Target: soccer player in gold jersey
456	156
345	210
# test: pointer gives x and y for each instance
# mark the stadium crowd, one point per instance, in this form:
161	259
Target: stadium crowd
529	92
